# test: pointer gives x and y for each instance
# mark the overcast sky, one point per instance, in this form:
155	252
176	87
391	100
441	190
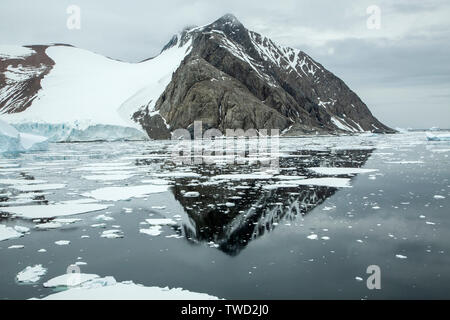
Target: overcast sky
401	71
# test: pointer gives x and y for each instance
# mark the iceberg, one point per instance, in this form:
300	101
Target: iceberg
11	140
108	288
440	137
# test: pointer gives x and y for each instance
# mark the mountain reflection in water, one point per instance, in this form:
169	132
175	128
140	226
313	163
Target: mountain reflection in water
232	213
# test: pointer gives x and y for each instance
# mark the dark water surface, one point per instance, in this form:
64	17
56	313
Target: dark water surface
239	239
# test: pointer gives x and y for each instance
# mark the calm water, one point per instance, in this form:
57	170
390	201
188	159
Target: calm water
239	239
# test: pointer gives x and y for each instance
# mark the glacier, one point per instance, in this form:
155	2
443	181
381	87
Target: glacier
11	140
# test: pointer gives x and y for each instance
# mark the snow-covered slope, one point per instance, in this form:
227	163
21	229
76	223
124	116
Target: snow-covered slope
88	93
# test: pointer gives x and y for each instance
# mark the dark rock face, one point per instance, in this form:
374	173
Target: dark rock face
18	93
235	78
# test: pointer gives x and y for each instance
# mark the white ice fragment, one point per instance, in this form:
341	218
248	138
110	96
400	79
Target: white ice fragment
39	187
62	242
31	274
48	225
339	170
52	210
191	194
109	289
152	231
7	233
16	246
160	222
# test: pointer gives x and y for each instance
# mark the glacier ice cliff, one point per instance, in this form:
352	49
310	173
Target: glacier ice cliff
11	140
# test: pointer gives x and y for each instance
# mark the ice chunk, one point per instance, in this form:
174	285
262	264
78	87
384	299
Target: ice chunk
7	233
48	225
62	242
125	193
440	137
70	280
15	52
160	222
177	175
191	194
152	231
39	187
108	289
52	210
31	274
325	182
242	176
339	170
112	234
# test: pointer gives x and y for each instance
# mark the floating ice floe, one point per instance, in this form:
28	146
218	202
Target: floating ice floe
20	181
7	233
31	274
108	177
177	175
160	222
438	197
109	289
39	187
152	231
321	182
67	221
112	234
21	229
15	52
312	237
242	176
103	217
16	246
339	171
12	140
405	162
70	280
52	210
191	194
48	225
125	193
62	242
